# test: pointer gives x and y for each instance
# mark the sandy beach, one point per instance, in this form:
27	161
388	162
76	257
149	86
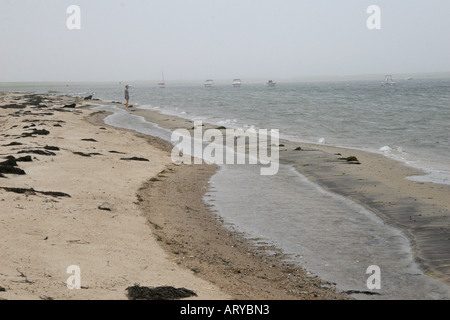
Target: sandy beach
75	192
112	202
93	218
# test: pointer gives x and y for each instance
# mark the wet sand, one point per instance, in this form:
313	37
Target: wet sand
421	210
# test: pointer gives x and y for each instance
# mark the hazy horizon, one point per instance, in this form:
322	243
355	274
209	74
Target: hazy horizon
136	40
223	81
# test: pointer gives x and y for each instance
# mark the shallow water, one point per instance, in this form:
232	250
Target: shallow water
328	235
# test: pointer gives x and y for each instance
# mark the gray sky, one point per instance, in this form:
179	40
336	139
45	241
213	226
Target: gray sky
122	40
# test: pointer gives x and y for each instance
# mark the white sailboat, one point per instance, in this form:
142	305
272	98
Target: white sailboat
388	81
162	84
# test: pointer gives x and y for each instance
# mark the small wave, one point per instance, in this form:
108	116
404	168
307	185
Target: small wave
436	176
388	149
227	121
146	107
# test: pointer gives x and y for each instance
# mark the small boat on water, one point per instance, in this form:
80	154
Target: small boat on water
237	83
162	84
270	83
388	81
209	83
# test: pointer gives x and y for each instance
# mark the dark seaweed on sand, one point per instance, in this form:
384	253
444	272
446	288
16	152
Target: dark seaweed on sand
82	154
87	154
9	166
52	148
12	144
10	162
31	191
8	169
34	99
42	132
137	292
134	159
40	152
14	106
21	159
351	158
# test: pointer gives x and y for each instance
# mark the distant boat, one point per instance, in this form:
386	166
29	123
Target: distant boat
209	83
270	83
388	81
237	83
162	84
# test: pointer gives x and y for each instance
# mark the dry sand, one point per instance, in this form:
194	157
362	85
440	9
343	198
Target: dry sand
42	235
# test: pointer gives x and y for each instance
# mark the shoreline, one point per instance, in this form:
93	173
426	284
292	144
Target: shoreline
197	239
420	210
100	225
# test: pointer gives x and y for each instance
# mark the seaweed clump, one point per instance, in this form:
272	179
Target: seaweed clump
10	169
351	159
135	159
31	191
137	292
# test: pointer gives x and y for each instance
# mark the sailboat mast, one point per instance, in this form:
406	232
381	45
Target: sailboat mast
163	83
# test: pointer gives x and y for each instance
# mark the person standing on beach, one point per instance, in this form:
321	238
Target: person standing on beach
127	95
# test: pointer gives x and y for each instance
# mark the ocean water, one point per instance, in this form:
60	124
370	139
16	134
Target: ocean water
409	122
328	235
